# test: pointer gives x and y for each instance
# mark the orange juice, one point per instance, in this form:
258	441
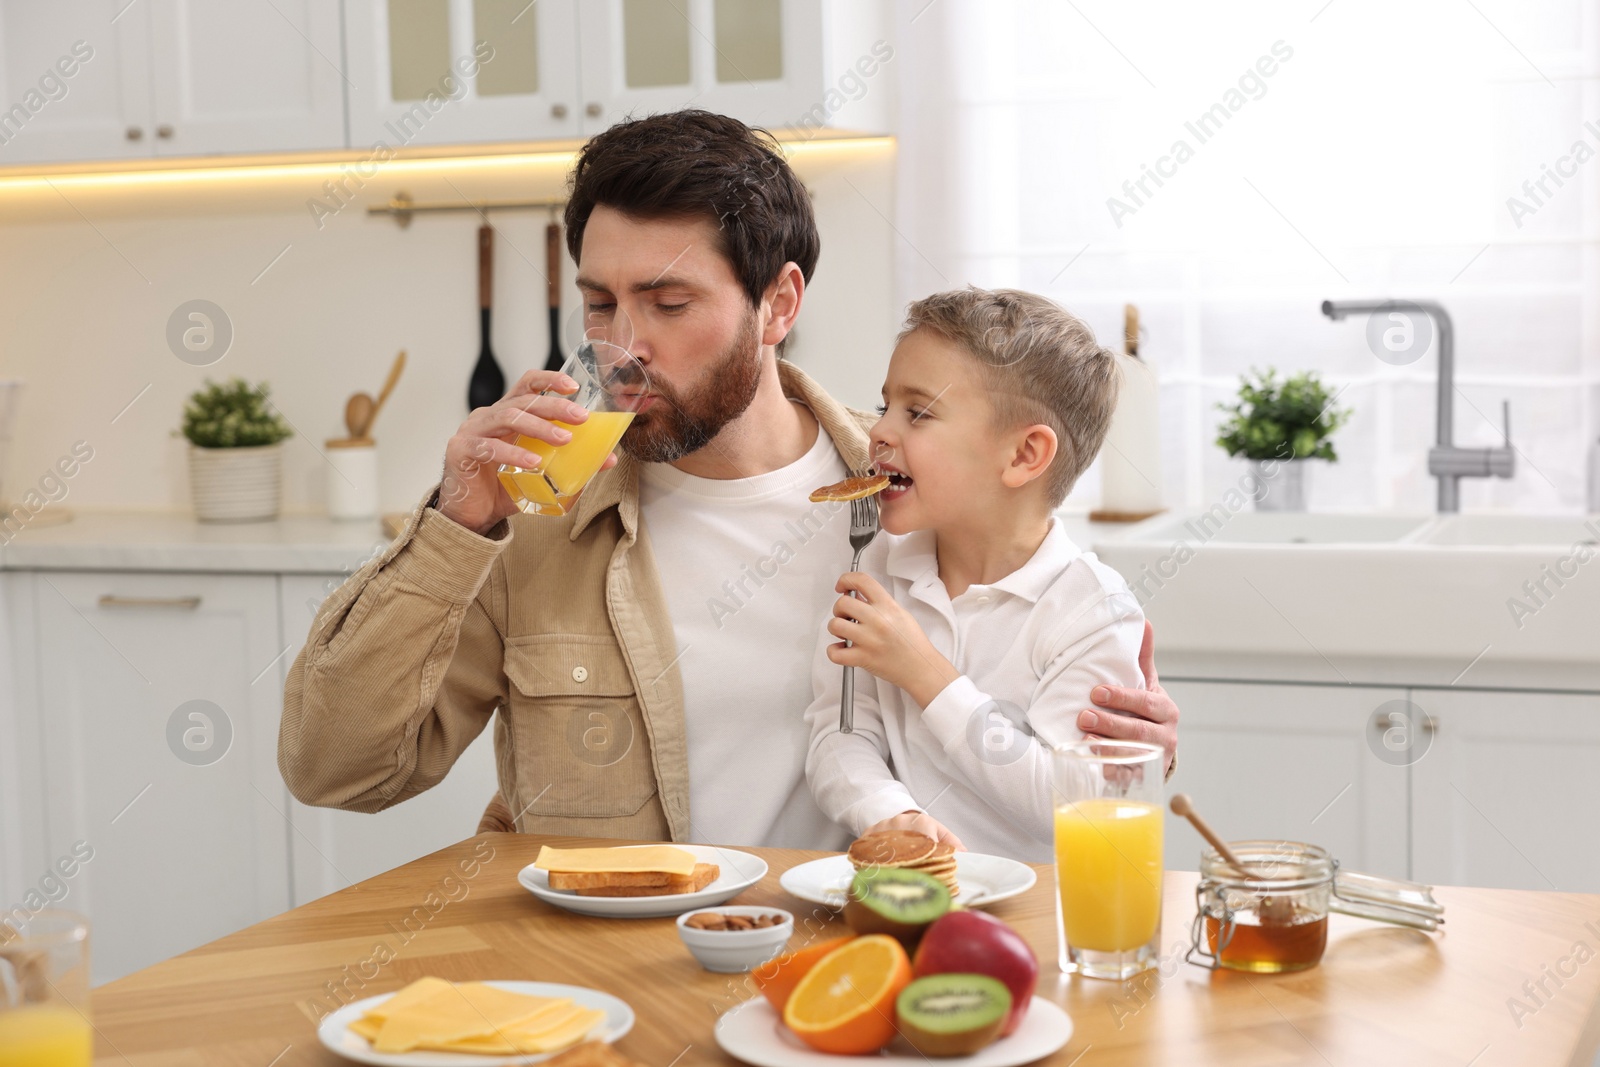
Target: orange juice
566	468
1108	862
49	1035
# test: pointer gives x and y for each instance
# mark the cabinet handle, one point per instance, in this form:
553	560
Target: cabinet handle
184	603
592	109
558	111
1428	725
134	133
164	132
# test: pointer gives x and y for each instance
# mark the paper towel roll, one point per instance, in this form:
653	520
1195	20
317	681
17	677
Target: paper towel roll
1130	460
353	481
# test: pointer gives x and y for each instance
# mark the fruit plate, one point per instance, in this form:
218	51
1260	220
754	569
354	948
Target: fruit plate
983	879
335	1033
740	871
752	1032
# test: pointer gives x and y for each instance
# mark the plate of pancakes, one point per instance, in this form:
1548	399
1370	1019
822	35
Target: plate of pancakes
972	878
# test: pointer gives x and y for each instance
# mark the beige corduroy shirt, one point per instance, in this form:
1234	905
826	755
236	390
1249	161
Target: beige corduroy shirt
559	624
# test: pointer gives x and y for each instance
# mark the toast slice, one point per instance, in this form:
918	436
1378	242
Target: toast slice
704	874
574	881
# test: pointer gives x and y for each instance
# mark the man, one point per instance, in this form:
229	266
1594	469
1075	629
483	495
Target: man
648	653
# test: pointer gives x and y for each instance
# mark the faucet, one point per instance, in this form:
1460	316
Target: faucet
1446	462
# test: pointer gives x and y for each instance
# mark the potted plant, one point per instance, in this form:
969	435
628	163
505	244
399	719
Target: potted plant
1279	427
235	453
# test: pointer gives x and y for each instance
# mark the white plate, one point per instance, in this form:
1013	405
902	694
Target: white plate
982	879
740	871
335	1034
753	1033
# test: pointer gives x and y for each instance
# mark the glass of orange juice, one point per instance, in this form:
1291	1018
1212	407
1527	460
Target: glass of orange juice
1108	816
44	990
612	386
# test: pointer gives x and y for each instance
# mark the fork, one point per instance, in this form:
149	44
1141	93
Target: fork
863	528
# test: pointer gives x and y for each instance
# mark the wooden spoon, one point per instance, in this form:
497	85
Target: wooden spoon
383	396
358	414
1181	805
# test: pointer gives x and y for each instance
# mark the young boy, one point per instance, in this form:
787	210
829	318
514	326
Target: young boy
986	628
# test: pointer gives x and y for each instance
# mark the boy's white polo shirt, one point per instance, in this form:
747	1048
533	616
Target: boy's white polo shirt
1030	647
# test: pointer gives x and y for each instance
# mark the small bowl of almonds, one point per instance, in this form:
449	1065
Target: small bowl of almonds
735	938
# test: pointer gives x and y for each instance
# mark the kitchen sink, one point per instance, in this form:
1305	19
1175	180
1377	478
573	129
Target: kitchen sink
1345	589
1515	531
1278	528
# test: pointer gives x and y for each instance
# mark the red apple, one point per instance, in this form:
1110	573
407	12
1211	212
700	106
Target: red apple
971	942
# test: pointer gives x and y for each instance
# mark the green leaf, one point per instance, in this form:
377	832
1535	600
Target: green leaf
233	414
1273	419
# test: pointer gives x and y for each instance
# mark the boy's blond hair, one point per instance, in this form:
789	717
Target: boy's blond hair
1041	364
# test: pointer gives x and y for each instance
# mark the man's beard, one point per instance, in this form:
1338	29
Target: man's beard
679	424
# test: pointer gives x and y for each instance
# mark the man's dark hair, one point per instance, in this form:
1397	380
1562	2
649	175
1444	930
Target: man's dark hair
687	164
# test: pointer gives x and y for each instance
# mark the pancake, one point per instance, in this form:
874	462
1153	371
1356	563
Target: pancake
851	489
891	848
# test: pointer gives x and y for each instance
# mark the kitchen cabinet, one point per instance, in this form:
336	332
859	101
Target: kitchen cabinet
333	849
1506	795
561	69
232	77
112	80
157	722
452	71
140	729
758	60
74	80
1291	762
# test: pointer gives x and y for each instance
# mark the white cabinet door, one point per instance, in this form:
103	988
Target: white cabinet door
24	859
159	717
455	71
1293	762
74	80
760	61
245	77
333	849
1507	794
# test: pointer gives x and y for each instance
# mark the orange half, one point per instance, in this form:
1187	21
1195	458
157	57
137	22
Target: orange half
777	977
845	1004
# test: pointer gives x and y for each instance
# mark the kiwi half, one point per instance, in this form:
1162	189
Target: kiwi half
952	1014
894	901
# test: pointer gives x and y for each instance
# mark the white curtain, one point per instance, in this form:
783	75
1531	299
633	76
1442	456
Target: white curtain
1329	150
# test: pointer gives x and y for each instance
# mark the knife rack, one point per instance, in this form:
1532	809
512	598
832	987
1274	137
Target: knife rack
401	207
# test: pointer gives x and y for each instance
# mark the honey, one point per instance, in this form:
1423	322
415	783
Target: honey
1269	948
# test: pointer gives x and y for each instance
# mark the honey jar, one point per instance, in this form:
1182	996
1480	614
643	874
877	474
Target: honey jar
1269	917
1270	914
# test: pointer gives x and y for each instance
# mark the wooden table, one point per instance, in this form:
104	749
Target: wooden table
1382	995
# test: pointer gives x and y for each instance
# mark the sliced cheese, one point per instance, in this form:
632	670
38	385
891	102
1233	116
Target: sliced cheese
573	1026
616	860
574	1031
415	993
447	1013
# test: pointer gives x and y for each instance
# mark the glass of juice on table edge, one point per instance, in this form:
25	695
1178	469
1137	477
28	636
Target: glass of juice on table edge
613	388
1108	819
44	991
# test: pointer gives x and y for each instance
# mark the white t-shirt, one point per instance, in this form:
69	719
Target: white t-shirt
748	567
1030	648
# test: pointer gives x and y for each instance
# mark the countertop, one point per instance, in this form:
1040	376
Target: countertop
1381	995
174	541
308	544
